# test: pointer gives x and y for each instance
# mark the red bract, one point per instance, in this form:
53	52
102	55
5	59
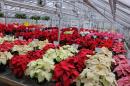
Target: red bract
5	46
64	74
107	43
48	46
2	27
124	81
69	38
21	42
33	55
84	52
53	35
68	70
88	42
18	65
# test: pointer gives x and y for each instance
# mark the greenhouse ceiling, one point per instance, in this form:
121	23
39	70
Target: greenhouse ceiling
117	10
113	10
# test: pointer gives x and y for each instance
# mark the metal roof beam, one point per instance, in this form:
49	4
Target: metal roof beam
36	8
122	19
87	2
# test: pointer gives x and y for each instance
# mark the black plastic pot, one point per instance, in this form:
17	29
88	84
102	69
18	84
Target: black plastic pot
2	68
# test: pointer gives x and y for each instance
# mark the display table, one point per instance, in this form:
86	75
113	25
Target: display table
10	80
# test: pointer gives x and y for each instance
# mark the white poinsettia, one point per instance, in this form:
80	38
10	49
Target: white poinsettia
9	38
40	69
51	54
4	57
103	57
97	71
37	43
60	54
63	54
70	48
1	40
22	49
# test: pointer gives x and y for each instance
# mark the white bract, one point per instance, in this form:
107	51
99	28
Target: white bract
22	49
4	57
61	54
39	44
97	71
40	69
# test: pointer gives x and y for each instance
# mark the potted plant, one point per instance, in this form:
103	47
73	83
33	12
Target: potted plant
1	14
35	17
45	18
20	16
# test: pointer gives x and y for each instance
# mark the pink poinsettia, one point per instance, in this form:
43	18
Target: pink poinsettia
124	81
118	48
120	59
122	70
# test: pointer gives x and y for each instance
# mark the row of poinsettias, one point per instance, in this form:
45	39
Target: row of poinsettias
65	65
10	46
24	54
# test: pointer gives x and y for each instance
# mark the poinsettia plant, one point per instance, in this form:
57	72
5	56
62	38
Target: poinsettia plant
40	69
5	57
97	71
68	70
124	81
18	65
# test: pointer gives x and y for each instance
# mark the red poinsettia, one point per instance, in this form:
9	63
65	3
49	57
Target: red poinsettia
69	38
48	46
33	55
64	74
5	46
21	42
107	43
2	27
68	70
18	65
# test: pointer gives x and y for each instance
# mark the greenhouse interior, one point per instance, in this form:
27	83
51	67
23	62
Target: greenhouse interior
64	42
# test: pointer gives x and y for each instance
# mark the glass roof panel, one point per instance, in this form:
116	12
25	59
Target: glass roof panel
127	2
123	9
